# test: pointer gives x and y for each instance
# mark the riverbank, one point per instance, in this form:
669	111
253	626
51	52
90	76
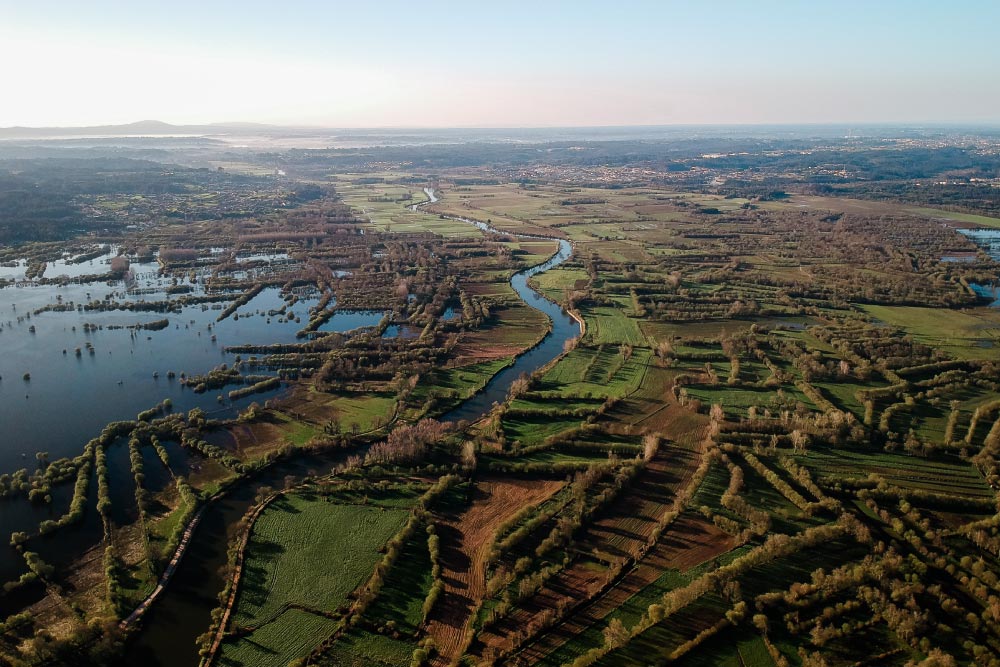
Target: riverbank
565	325
195	582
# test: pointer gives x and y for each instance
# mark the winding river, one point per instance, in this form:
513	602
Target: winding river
183	612
564	327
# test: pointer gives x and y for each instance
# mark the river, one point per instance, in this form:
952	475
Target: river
564	327
183	612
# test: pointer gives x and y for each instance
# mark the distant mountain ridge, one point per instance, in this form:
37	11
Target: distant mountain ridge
144	127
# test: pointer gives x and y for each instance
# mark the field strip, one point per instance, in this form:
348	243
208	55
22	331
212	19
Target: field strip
468	536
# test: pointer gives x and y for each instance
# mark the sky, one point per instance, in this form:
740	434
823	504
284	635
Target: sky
498	64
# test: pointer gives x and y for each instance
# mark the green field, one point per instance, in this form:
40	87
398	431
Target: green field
610	325
939	214
449	385
555	281
291	635
384	207
364	409
736	401
968	334
952	477
405	587
310	553
730	648
532	431
596	372
358	648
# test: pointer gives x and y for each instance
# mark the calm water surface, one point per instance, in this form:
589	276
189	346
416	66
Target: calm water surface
989	241
68	399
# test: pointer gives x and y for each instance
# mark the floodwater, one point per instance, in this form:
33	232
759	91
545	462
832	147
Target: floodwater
54	399
118	372
184	610
170	628
989	241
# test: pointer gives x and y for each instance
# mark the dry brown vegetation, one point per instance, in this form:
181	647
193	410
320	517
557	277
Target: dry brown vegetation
467	536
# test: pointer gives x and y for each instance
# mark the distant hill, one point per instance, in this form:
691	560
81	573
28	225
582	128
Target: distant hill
143	127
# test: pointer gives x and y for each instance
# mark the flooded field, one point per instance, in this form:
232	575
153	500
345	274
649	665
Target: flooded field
75	361
988	240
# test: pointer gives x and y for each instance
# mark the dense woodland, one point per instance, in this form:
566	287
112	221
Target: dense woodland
59	198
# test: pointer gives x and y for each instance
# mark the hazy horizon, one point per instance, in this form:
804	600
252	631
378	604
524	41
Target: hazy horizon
522	65
874	124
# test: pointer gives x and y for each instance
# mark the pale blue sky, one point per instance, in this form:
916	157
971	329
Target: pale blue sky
499	63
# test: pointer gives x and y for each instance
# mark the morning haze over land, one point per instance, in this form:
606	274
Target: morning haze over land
453	334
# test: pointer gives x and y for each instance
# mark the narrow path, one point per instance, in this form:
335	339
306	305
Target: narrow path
144	606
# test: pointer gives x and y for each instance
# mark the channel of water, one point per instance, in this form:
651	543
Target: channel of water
183	612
